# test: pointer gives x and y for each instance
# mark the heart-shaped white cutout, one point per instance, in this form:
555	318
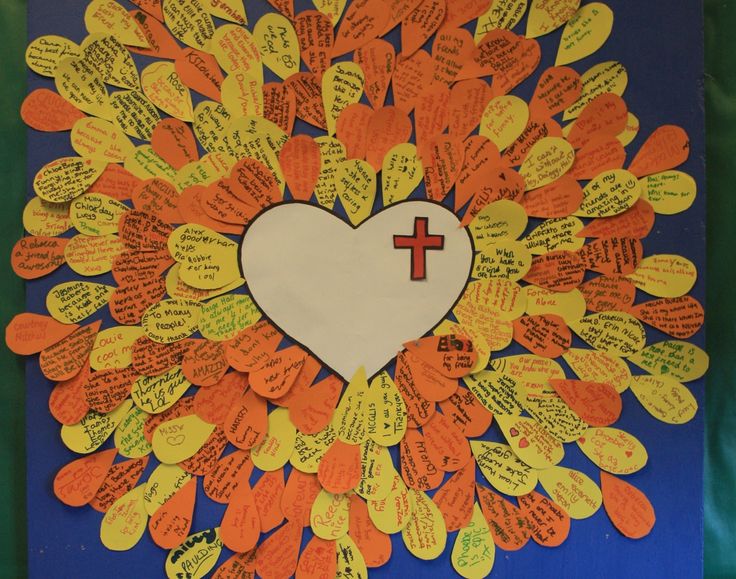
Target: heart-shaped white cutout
346	293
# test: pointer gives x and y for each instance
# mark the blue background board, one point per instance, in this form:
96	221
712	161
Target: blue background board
661	46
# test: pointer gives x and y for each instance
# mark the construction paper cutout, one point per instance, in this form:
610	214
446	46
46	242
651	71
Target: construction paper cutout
230	472
350	561
197	555
409	79
530	441
665	398
106	389
278	444
418	409
474	552
628	508
599	154
318	559
77	482
669	192
96	214
299	494
189	22
125	522
417	467
377	60
121	479
180	438
557	270
616	333
575	492
301	163
130	437
135	114
253	347
467	413
548	522
363	21
567	305
393	219
80	84
37	256
100	140
665	276
442	160
277	43
504	118
374	546
44	53
45	110
314	33
681	360
605	116
431	118
585	32
246	423
548	160
239	565
163	483
546	335
64	179
455	498
28	333
451	355
391	515
308	93
160	41
173	141
241	525
277	375
503	469
171	522
67	402
613	450
349	419
446	444
342	85
546	16
231	10
607	293
666	148
312	410
425	534
340	468
64	359
329	515
93	430
678	317
610	193
606	77
509	526
402	172
501	14
631	131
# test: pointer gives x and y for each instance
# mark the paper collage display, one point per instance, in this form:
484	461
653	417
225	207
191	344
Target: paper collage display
301	262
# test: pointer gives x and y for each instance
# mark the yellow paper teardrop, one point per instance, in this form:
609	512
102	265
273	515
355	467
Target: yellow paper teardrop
329	516
224	317
585	33
180	438
342	85
154	394
377	471
93	430
613	450
278	44
573	490
554	235
501	14
96	214
425	535
386	418
125	521
503	470
278	444
73	301
546	16
474	551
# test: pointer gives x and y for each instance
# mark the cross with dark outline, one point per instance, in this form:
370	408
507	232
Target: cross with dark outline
419	243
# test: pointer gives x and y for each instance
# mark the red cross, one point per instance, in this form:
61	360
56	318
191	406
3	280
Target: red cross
419	243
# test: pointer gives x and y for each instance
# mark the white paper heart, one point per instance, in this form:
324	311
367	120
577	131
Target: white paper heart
345	293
